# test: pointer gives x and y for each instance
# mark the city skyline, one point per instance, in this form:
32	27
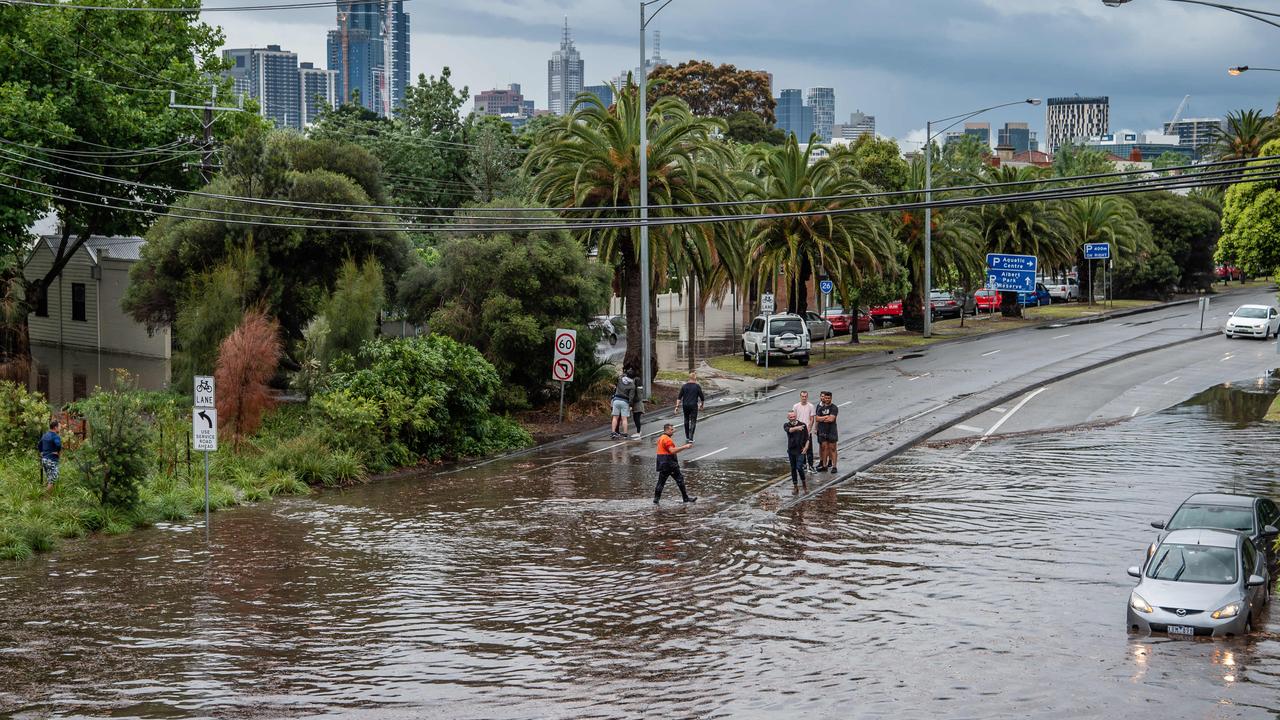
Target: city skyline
892	75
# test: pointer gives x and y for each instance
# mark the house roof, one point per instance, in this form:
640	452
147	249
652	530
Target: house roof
103	246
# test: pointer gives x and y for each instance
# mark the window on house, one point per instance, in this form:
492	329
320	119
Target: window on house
79	386
77	302
42	381
42	302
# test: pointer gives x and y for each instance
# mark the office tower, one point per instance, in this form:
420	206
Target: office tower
823	102
565	74
270	76
1195	133
369	50
503	102
604	92
1017	136
654	62
980	130
319	91
1071	118
794	117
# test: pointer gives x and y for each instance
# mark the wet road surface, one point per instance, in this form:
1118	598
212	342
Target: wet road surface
945	584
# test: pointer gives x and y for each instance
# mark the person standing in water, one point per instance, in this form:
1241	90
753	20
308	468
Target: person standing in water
669	465
825	418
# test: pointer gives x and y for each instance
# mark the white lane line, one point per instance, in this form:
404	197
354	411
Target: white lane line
993	352
1135	412
846	402
969	428
1005	418
926	412
1226	358
714	452
917	377
780	393
1175	377
998	409
1062	336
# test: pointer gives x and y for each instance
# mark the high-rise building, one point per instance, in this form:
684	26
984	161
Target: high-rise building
270	76
319	91
794	117
604	92
369	50
859	124
565	75
1195	133
980	130
823	102
1137	146
1018	136
1071	118
503	102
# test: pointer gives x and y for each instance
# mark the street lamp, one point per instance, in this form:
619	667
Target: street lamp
929	135
1259	15
1245	68
646	343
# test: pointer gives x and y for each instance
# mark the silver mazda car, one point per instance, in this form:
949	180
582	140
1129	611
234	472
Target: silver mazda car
1199	582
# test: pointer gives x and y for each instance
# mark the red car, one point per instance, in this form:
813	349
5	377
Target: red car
887	314
841	320
986	300
1229	272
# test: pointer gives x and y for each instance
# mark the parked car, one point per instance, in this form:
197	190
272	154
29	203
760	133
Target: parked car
787	339
1064	290
950	304
1199	582
986	301
841	319
888	314
1037	298
819	327
608	327
1252	321
1255	516
1228	272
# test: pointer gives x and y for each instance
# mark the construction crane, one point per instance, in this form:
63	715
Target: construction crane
1177	114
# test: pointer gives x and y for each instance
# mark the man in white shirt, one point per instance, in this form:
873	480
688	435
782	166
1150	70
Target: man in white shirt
804	411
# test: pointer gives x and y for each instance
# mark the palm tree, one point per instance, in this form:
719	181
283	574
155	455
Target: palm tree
1245	133
844	245
590	164
956	246
1097	219
1020	228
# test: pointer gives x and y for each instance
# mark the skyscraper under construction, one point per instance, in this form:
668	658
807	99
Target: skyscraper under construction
369	50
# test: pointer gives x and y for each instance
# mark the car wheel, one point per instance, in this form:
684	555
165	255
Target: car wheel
804	361
746	355
759	359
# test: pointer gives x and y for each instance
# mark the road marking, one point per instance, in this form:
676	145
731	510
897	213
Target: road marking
926	412
780	393
714	452
1135	412
1175	377
846	402
1226	358
917	377
1005	418
969	428
998	409
993	352
1063	336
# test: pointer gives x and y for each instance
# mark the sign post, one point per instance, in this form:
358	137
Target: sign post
826	286
204	429
1098	251
766	307
563	359
1204	305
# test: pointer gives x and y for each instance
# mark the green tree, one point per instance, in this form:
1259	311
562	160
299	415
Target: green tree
87	96
591	161
114	460
1251	223
1099	219
965	156
351	313
493	160
1169	159
878	161
1186	229
1076	160
213	304
714	91
1020	227
1243	135
749	128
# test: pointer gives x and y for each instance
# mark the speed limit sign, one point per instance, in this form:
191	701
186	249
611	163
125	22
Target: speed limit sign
563	362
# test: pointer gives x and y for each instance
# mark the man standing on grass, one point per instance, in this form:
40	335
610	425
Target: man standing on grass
669	465
825	418
797	445
50	454
804	413
690	401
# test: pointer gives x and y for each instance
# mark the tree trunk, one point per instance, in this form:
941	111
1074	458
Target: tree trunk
913	311
15	337
853	324
798	302
1009	305
631	290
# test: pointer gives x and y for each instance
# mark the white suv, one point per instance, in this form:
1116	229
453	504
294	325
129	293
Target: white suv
788	338
1065	291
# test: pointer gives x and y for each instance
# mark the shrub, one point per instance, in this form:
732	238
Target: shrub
351	314
115	458
212	307
247	360
23	417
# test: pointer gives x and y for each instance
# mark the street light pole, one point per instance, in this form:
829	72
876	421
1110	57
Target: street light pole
1259	15
646	342
1246	68
928	196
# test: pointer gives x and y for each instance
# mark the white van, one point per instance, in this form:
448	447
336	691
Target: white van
788	338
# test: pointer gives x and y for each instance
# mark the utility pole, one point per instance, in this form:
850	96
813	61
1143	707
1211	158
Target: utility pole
206	162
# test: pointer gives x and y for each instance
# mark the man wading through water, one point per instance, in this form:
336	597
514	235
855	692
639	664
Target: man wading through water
50	454
668	465
690	401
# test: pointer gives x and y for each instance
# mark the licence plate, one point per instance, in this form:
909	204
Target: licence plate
1181	630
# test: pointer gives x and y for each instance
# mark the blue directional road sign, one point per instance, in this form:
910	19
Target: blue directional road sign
996	261
826	286
1012	280
1097	251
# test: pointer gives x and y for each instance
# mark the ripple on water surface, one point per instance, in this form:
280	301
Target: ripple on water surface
946	583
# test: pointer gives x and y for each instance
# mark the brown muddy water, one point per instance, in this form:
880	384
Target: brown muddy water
943	585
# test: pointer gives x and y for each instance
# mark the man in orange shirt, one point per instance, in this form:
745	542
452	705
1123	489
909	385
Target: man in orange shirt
668	465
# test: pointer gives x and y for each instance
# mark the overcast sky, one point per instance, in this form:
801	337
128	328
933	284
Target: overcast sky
904	61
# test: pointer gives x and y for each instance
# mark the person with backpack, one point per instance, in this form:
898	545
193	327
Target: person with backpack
50	448
620	404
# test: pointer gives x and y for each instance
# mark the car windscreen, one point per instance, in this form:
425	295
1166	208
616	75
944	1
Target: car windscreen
1194	563
789	325
1248	312
833	310
1213	516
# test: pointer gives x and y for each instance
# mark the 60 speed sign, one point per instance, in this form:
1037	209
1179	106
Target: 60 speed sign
566	350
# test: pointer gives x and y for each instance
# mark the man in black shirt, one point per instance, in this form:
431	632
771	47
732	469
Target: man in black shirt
825	418
690	400
797	445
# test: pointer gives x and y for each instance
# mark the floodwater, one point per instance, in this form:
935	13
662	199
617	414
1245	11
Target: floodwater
946	584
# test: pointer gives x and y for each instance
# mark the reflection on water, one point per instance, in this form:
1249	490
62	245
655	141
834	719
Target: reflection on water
1240	402
988	585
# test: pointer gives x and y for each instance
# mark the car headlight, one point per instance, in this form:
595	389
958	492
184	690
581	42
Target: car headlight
1137	603
1226	611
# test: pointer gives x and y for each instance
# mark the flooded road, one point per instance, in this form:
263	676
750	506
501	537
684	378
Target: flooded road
948	583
